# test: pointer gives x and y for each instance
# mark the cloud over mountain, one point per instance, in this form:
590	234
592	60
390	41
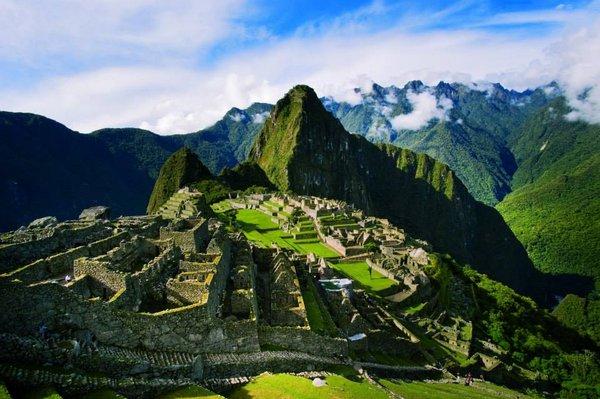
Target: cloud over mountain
176	67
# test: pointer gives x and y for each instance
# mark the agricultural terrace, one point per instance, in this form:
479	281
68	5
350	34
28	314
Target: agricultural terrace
285	386
426	390
359	271
258	227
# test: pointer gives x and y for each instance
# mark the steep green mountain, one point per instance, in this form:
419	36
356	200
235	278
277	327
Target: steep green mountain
47	169
471	136
580	314
305	149
181	169
555	206
224	144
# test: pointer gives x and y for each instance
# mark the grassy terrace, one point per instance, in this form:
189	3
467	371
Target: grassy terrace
359	272
258	227
285	386
318	316
190	392
422	390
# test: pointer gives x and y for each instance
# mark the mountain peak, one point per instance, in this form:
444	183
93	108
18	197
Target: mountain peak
298	120
183	167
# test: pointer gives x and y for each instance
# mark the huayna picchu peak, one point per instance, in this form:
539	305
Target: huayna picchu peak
304	149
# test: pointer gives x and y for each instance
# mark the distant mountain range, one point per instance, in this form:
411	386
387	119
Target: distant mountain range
494	140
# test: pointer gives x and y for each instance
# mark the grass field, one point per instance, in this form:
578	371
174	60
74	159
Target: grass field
42	393
285	386
191	392
318	317
479	390
359	272
103	394
258	227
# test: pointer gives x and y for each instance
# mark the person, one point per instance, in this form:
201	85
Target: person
67	278
469	378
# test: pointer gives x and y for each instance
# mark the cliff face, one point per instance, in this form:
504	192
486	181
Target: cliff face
304	149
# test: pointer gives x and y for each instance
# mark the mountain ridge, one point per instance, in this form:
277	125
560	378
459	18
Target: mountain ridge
305	149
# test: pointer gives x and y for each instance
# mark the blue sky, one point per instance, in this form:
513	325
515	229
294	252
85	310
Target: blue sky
177	66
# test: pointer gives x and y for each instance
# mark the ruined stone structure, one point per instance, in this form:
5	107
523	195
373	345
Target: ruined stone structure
174	298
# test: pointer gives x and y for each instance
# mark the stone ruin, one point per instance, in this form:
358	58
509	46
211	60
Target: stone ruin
175	298
155	298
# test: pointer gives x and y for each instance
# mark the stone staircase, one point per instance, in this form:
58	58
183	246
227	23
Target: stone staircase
183	205
160	359
76	384
248	364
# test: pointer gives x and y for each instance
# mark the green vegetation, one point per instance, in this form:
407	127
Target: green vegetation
103	394
190	392
370	280
42	393
423	390
259	227
319	319
181	169
4	394
299	151
581	314
285	386
554	208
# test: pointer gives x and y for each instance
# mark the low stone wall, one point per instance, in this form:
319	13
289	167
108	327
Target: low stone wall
62	263
381	270
186	329
15	255
252	364
98	270
385	342
302	340
186	292
192	240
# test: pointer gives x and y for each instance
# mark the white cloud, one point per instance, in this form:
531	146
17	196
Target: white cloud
237	117
101	31
260	117
579	75
425	108
161	88
390	97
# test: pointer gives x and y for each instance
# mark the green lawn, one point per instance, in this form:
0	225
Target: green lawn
42	393
423	390
285	386
319	318
190	392
359	272
103	394
258	227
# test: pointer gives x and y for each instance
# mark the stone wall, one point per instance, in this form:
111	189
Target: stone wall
302	340
191	240
381	270
188	329
386	342
62	263
64	236
113	280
